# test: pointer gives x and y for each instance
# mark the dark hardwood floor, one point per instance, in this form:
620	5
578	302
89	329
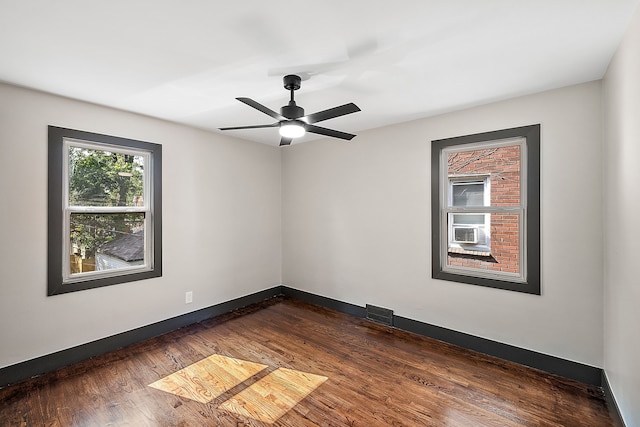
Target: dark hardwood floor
309	367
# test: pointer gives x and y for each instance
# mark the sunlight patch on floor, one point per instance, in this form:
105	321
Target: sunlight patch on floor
266	400
207	379
274	395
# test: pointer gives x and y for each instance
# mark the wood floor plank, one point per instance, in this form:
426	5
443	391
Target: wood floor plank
360	374
274	395
208	378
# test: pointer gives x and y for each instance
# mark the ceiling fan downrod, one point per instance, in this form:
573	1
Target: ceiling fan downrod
292	111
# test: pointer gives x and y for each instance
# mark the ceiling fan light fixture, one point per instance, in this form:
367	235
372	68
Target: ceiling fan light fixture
292	130
292	121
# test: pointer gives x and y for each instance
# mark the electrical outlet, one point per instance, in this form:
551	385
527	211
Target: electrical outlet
188	297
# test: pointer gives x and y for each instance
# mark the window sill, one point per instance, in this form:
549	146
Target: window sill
461	251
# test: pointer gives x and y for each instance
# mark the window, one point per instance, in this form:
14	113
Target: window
104	210
468	231
486	209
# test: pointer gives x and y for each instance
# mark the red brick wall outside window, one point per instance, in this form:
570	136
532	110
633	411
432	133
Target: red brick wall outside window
502	165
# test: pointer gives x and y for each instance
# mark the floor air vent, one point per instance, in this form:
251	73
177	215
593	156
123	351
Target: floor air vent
380	315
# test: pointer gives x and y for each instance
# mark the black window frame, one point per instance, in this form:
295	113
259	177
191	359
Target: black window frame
531	231
55	253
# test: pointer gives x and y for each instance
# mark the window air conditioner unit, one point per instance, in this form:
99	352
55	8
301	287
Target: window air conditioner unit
465	234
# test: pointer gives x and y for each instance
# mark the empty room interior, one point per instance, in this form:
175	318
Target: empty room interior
416	213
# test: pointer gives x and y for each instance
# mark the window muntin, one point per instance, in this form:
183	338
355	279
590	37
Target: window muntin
486	209
104	210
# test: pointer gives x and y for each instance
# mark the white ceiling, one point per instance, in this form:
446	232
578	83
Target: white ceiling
186	61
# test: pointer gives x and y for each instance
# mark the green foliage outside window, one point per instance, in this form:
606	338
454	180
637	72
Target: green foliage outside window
103	179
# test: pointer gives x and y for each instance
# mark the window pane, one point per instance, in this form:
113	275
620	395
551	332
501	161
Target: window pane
106	241
501	251
468	194
102	178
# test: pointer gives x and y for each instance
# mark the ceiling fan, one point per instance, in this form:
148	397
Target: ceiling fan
291	119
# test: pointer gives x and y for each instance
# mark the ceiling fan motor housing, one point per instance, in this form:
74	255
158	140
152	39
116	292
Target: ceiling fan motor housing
292	111
291	82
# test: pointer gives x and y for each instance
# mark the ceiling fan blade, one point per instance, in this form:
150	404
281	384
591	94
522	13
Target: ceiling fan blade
251	127
260	107
285	141
329	132
331	113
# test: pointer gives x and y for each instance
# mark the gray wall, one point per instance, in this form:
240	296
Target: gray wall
356	225
622	207
221	226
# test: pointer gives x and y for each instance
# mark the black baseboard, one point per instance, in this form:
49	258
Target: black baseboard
614	410
50	362
333	304
544	362
555	365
